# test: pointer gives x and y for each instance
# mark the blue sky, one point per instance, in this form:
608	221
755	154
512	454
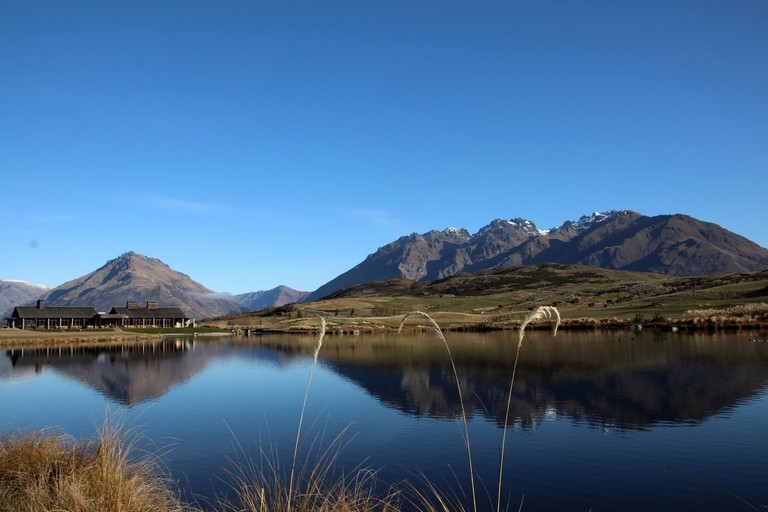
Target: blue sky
251	143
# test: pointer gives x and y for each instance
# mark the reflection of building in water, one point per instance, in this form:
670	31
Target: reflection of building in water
129	374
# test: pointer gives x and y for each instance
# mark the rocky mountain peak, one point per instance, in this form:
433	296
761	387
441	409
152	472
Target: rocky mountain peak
457	233
511	231
133	276
587	221
615	239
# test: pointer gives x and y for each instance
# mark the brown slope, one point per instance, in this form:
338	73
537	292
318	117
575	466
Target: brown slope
409	257
666	244
136	277
17	293
434	255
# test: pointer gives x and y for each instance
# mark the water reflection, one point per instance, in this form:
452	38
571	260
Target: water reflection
601	380
127	374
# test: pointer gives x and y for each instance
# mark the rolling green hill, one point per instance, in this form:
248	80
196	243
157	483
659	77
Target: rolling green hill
499	298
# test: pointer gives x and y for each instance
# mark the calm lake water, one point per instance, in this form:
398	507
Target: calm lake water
601	422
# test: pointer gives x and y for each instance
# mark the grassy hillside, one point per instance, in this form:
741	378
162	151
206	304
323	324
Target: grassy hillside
500	298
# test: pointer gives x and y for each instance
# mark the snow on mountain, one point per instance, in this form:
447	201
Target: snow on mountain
19	281
587	221
14	292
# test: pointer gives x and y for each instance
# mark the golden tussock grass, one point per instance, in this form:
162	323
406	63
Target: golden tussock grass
49	472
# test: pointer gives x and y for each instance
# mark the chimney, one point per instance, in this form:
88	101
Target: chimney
132	304
40	304
151	305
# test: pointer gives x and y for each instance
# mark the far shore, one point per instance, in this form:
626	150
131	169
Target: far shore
31	338
10	338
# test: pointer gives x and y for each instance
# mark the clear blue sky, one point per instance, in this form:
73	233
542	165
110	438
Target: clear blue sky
255	143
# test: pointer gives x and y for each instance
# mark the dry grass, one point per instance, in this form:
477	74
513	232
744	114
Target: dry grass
434	498
730	317
313	483
540	313
317	486
467	443
753	311
49	472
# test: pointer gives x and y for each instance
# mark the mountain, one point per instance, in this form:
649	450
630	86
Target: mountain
18	293
136	277
269	298
677	245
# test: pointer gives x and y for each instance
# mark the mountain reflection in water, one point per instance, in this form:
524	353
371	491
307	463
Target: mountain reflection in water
602	380
602	421
133	373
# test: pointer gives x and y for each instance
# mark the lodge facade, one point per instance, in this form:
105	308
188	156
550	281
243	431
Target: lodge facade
132	315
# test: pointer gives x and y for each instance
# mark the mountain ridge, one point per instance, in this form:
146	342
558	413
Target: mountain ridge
275	297
674	244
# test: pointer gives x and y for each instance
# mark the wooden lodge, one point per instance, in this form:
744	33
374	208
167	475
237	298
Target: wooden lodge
60	317
57	317
151	316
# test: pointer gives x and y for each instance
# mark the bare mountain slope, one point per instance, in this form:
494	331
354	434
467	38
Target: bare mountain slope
621	240
18	293
269	298
136	277
676	245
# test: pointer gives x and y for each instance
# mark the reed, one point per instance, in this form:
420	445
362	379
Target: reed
540	313
318	485
313	483
318	345
467	443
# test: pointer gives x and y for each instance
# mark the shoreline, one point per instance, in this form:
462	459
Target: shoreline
18	338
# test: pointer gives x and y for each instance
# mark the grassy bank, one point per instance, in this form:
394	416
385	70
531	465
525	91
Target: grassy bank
10	338
586	297
300	318
47	472
41	338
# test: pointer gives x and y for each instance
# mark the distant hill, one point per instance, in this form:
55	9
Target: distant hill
677	245
18	293
269	298
136	277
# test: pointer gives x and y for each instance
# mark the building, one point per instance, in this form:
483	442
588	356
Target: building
150	316
59	317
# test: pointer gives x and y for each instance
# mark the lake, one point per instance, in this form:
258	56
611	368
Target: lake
599	421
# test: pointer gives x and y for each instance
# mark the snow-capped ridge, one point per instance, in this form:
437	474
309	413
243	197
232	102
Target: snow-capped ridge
19	281
587	221
518	223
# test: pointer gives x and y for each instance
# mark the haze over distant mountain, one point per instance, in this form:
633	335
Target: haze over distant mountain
620	240
136	277
269	298
17	293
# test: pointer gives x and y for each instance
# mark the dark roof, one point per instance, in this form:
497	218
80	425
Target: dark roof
149	313
53	312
